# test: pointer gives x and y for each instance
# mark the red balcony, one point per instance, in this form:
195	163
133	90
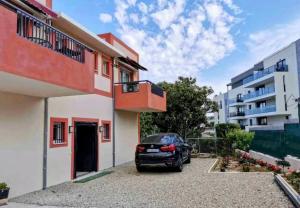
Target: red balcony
38	60
141	96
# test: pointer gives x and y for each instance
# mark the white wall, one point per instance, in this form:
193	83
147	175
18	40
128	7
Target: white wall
21	142
84	106
220	117
291	79
126	136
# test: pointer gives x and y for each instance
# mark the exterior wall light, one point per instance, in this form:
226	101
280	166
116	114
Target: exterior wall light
71	129
100	128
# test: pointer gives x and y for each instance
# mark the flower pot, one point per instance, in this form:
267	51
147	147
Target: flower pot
3	196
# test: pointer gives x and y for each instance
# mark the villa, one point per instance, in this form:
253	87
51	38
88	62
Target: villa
69	99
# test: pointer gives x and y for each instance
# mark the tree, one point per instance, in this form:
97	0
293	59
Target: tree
147	125
187	105
224	128
240	138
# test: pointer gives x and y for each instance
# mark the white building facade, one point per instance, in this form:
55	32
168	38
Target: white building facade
266	94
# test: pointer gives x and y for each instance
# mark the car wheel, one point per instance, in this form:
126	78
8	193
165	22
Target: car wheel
139	168
179	165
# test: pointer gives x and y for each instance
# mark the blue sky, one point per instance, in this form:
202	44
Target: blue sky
211	40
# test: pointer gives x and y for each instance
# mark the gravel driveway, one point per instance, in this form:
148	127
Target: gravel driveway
194	187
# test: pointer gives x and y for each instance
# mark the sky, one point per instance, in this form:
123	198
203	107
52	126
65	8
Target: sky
211	40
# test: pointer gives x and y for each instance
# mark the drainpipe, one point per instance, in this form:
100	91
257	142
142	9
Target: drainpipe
113	114
45	143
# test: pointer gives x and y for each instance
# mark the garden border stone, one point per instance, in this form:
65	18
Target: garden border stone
288	190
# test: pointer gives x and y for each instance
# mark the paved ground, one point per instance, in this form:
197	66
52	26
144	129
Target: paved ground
194	187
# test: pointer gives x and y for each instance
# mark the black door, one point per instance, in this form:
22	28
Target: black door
86	140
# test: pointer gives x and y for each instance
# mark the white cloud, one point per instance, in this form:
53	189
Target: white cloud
259	45
134	17
105	18
175	37
143	7
265	42
163	18
234	7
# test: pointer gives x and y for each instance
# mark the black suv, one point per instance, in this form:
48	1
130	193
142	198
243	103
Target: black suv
163	149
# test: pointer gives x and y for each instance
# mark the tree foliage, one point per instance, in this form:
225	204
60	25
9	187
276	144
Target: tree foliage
187	105
223	128
240	138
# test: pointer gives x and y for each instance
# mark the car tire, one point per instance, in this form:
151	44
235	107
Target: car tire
139	168
188	160
179	165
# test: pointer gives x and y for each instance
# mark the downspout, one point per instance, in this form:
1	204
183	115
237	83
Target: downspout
46	115
113	114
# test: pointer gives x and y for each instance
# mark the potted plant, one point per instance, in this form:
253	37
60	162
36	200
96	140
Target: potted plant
4	190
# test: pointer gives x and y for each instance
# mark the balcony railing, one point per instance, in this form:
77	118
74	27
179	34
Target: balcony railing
236	114
267	109
265	72
258	93
128	87
47	36
236	100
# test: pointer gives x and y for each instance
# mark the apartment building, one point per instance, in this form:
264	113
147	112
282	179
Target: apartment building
266	94
69	99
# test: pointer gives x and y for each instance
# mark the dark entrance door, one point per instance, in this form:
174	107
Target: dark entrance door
86	140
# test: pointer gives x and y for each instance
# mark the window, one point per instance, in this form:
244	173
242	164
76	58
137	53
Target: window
285	103
283	79
251	123
220	105
125	76
105	68
106	133
58	132
281	65
262	121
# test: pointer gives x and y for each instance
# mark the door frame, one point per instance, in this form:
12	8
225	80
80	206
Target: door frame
83	120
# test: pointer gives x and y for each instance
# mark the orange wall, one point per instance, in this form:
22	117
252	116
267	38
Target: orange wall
22	57
143	100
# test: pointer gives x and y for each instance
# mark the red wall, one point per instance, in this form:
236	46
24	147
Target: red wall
143	100
21	57
49	3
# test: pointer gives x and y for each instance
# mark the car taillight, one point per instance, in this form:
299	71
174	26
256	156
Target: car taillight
169	148
140	148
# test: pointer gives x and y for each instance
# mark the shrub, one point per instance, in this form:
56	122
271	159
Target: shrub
223	129
240	138
3	186
283	164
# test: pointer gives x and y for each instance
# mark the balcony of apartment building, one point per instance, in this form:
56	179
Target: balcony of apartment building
237	115
260	94
237	101
37	59
265	75
139	96
267	110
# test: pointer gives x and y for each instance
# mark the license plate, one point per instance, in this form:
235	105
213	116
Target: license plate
152	150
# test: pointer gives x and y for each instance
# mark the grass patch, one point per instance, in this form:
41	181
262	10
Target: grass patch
84	180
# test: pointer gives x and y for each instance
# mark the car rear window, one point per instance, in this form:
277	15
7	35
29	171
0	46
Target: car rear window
159	139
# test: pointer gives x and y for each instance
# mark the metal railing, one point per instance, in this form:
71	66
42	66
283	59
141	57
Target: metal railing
236	100
266	109
236	114
266	71
134	86
47	36
258	93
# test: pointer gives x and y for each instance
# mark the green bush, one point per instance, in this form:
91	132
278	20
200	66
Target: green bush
240	138
223	129
3	186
